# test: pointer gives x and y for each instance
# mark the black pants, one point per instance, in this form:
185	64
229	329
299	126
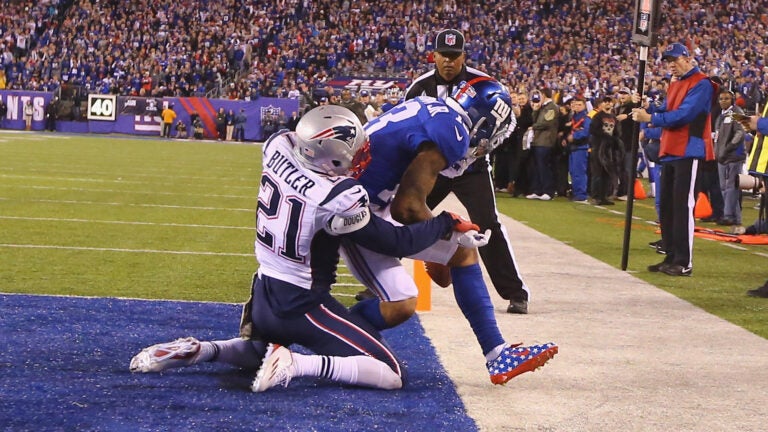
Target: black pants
475	192
678	178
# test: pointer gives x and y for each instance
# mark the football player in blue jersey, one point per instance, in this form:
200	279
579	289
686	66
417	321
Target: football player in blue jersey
408	147
306	205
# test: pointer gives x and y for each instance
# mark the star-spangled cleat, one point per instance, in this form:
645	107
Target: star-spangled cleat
516	359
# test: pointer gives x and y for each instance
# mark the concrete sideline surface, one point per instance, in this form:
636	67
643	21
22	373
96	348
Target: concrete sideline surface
632	356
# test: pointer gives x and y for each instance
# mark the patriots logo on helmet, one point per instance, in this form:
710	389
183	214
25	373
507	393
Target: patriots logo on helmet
346	134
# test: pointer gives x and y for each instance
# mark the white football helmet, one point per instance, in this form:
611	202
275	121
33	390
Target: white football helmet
328	138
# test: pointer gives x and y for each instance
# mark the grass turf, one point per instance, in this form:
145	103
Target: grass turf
167	219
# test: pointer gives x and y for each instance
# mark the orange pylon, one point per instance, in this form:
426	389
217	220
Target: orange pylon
639	190
703	208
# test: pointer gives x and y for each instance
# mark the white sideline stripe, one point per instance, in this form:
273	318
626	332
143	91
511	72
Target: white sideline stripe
128	191
734	246
33	135
249	210
31	246
126	222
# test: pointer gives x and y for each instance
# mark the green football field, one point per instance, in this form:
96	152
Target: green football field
168	219
143	218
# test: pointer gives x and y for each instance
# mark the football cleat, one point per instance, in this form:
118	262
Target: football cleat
160	357
516	359
276	369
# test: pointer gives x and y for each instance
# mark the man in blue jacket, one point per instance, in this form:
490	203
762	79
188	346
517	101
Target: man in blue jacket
578	144
686	139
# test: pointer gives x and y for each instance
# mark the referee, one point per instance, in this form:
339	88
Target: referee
474	188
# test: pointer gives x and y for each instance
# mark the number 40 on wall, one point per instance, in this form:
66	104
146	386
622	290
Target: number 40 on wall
102	107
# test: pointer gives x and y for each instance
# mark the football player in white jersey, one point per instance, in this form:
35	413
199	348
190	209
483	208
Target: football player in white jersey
306	206
409	146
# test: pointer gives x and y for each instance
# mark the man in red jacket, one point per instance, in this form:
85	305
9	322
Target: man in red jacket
686	138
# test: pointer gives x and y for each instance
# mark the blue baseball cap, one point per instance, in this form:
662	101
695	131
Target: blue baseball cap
675	50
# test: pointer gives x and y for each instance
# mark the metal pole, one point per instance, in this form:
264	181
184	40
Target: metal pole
631	174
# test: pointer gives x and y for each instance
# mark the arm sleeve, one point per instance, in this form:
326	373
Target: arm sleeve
583	132
762	125
385	238
652	132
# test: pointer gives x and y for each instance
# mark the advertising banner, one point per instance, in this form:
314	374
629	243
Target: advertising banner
106	114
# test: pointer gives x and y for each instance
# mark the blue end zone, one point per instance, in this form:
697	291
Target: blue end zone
64	366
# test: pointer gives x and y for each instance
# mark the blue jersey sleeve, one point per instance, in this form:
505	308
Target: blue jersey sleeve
762	125
450	135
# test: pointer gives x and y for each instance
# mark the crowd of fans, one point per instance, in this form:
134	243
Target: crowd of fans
243	49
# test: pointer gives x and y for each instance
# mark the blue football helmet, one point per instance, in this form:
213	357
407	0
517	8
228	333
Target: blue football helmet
487	110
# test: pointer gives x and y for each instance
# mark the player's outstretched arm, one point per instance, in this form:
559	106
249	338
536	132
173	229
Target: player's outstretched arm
410	202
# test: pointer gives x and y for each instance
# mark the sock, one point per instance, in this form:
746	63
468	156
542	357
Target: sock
371	311
239	352
355	370
492	354
472	297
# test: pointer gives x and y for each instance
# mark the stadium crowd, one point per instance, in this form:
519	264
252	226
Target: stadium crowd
253	48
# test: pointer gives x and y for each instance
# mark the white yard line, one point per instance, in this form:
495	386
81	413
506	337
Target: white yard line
249	210
48	219
101	249
131	192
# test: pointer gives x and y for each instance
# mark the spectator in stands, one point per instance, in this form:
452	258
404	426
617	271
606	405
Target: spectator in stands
560	151
293	121
371	109
545	114
307	99
347	101
519	183
578	145
626	127
607	153
730	154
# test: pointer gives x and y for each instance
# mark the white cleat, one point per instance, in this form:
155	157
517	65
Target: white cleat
276	369
160	357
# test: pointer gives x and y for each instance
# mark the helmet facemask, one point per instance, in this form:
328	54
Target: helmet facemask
486	107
